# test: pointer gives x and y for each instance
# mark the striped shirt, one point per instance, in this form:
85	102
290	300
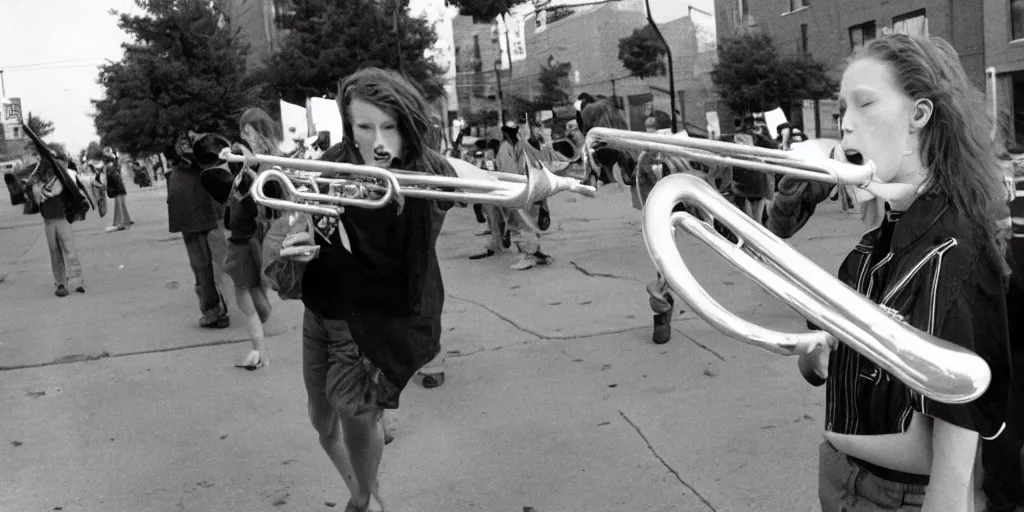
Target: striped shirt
928	269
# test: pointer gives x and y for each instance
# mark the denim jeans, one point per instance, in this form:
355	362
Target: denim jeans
845	486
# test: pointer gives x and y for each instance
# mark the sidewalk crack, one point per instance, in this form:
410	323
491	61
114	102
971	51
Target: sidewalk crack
598	274
699	344
531	332
665	463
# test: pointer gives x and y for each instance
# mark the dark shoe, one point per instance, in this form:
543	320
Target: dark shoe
215	320
80	289
662	328
62	291
506	239
542	259
486	254
433	380
544	219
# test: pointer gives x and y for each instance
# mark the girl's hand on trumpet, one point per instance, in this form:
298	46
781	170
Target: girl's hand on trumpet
300	245
813	352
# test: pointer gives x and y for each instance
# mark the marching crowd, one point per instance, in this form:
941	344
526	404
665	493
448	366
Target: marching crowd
937	254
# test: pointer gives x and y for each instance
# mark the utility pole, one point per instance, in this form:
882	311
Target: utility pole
3	87
501	98
398	38
671	74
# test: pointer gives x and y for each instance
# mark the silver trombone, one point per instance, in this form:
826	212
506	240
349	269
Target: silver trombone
357	185
751	157
933	367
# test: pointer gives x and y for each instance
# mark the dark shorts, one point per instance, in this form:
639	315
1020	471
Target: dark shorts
845	486
244	263
337	373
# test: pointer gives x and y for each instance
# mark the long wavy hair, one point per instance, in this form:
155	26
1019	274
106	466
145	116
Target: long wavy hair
603	114
955	144
392	93
268	132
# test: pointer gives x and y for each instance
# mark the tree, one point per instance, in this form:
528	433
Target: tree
184	70
751	76
39	126
643	53
94	151
484	9
328	40
553	77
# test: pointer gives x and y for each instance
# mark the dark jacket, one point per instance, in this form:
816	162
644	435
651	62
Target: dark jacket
389	288
190	209
943	276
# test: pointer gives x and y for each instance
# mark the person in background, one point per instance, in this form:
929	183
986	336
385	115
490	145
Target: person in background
193	213
116	190
49	194
247	222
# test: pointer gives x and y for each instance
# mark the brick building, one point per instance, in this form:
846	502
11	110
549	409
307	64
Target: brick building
257	23
1004	51
588	40
831	30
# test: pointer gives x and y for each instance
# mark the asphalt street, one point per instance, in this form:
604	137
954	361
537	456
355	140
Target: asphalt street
555	397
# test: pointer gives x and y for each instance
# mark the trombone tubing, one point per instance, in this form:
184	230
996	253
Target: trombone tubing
936	368
711	151
501	189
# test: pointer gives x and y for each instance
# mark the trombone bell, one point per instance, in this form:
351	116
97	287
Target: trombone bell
936	368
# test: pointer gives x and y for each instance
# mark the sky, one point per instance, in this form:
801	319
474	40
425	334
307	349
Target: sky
51	50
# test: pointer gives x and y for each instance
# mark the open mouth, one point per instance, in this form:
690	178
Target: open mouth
382	157
854	157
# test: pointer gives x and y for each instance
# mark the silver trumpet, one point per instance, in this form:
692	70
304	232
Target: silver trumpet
935	368
371	187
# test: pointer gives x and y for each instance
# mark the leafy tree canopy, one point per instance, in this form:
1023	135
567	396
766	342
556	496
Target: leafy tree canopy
484	9
39	126
328	40
643	53
184	70
751	76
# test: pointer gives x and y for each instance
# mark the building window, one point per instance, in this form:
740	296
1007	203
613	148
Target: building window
803	37
798	4
915	24
1017	19
861	35
17	135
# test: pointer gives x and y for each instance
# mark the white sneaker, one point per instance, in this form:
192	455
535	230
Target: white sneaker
525	262
483	231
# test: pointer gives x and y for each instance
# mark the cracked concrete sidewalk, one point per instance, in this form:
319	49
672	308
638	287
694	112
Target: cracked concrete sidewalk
554	398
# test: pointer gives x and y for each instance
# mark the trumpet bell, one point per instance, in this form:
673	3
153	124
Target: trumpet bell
936	368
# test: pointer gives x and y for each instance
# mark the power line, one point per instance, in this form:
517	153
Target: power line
34	64
51	68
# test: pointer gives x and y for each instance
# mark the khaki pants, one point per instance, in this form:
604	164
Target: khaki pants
67	270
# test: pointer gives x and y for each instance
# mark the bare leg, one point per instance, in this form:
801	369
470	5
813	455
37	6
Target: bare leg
258	357
364	438
260	301
326	422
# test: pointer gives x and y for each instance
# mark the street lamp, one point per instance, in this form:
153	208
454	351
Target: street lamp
671	74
